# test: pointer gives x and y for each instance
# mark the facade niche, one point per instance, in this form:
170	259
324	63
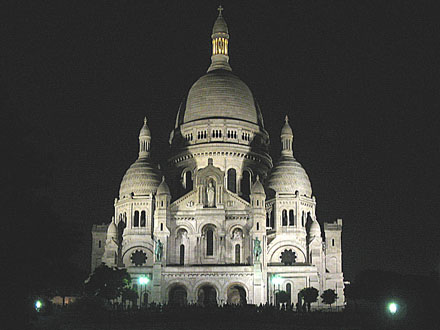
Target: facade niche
291	218
143	219
284	218
245	184
209	242
232	180
188	181
136	219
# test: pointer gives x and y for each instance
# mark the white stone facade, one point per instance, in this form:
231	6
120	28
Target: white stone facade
195	232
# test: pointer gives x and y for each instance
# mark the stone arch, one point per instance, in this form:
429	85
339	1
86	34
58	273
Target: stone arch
210	240
230	285
177	294
276	250
232	229
126	256
187	226
187	179
207	293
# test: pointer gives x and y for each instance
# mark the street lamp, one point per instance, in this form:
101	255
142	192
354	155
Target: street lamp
38	305
143	281
276	280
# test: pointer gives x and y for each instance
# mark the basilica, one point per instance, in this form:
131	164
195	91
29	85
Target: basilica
220	223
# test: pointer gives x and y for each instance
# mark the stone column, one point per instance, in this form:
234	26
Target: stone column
157	280
258	284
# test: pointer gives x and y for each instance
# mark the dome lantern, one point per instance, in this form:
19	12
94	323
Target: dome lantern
286	138
144	140
220	42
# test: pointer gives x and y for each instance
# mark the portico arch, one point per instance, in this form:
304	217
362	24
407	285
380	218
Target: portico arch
178	295
206	294
236	295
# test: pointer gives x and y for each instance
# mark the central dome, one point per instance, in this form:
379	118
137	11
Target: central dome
220	94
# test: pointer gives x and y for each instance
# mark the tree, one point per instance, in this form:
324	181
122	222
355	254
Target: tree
309	295
283	297
130	295
329	297
107	283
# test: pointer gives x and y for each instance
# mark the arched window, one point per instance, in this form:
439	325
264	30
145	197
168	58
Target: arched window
258	226
182	254
161	227
232	180
284	218
272	219
302	219
209	242
267	219
289	293
291	218
99	244
188	181
237	253
143	219
136	219
246	184
333	242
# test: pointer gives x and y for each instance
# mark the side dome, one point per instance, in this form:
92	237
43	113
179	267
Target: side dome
257	187
315	229
112	231
140	179
288	176
220	94
163	188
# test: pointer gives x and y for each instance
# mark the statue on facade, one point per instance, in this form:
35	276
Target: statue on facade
158	250
257	249
210	194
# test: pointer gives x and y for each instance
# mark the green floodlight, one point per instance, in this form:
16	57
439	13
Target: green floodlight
393	307
143	280
277	280
38	305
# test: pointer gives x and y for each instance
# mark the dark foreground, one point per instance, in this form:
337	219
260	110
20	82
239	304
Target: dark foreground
229	318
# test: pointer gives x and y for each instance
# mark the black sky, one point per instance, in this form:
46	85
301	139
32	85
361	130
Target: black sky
359	80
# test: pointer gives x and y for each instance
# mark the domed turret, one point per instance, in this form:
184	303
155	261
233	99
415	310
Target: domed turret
257	187
314	229
163	188
288	176
141	178
112	231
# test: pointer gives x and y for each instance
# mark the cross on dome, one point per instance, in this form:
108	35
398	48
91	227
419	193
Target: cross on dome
220	9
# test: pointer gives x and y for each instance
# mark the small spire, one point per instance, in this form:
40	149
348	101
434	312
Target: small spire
258	177
145	120
286	119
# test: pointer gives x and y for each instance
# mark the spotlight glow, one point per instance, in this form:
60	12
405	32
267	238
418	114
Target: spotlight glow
38	304
143	280
392	308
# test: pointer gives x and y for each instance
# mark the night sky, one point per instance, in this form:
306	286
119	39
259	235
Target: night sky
358	79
